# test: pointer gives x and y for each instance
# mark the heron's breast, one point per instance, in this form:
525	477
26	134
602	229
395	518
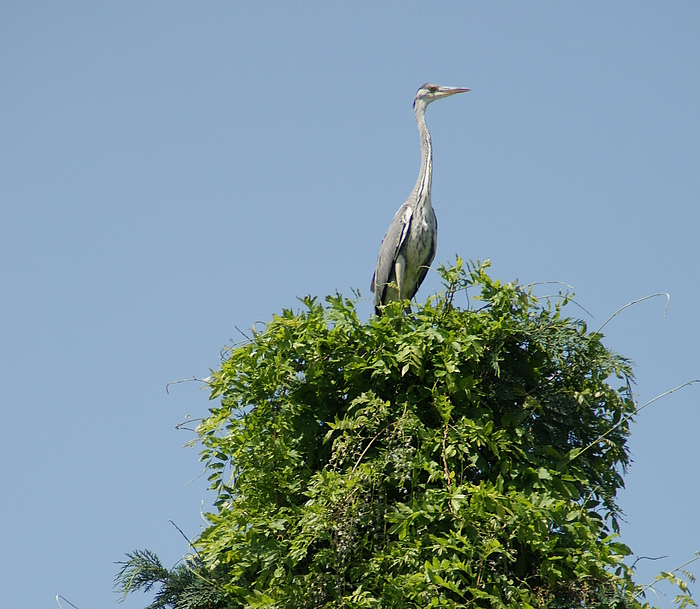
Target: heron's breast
421	237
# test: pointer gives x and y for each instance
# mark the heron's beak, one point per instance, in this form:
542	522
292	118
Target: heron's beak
452	90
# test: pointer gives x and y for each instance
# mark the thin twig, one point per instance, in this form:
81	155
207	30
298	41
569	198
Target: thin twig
186	539
201	513
195	572
548	282
370	444
187	421
629	304
242	332
668	392
262	323
658	578
628	417
65	599
647	558
194	378
571	300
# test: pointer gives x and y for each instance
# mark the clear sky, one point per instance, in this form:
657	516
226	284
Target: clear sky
171	170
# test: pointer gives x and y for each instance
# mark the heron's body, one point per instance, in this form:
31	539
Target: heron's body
414	233
409	245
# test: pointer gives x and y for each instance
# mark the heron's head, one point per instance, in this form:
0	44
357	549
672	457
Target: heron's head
429	92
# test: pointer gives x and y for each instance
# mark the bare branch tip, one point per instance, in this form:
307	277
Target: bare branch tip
670	391
58	596
634	302
194	378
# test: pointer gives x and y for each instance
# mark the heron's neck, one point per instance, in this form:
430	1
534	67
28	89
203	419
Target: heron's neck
425	177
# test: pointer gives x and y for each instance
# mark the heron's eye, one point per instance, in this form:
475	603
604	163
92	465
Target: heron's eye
433	89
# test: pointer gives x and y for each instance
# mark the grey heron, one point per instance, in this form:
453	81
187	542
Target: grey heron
409	245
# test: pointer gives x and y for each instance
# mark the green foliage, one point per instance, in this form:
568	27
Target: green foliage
445	458
187	586
684	598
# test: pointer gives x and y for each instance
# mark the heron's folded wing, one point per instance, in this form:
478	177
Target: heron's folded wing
423	269
389	249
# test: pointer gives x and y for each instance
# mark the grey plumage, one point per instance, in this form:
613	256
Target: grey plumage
409	245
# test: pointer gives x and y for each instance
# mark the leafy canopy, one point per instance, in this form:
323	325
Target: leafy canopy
447	457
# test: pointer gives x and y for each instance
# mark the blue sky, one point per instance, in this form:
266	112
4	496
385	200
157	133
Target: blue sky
169	171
